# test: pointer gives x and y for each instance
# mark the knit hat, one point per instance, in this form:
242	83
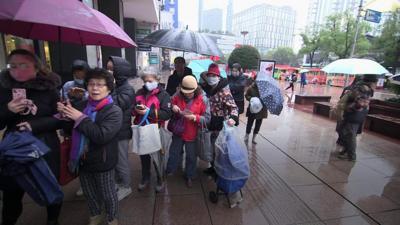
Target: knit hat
214	69
189	84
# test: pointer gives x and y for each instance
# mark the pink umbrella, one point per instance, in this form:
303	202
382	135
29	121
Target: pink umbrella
61	20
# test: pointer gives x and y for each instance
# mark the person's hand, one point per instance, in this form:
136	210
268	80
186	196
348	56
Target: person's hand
71	113
24	126
17	105
60	107
176	109
190	117
231	122
141	110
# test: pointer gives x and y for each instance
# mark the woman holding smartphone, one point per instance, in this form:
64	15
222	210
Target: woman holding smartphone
153	98
28	101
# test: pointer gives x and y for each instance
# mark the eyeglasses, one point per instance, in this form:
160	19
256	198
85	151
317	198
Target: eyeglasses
97	85
22	66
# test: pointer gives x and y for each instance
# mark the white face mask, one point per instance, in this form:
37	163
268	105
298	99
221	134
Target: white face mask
151	85
212	80
79	81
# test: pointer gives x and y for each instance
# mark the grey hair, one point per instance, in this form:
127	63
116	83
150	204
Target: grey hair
150	71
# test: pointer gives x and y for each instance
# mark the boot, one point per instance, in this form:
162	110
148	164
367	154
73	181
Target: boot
254	139
246	138
114	222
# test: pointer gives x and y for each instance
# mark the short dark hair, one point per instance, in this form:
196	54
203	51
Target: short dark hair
179	58
236	66
35	59
100	73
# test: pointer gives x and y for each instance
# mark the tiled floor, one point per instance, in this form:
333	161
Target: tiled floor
296	178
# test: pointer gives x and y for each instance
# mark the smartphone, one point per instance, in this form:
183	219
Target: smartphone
19	93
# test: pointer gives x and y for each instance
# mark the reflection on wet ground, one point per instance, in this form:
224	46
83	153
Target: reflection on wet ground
296	178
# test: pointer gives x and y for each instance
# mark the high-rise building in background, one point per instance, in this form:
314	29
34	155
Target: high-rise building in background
229	16
212	20
200	14
268	26
319	10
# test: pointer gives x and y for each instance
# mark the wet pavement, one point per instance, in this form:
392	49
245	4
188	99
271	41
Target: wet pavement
296	178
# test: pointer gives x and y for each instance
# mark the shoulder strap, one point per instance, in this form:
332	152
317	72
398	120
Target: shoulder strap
145	118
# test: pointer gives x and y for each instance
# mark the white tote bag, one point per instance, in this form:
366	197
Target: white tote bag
145	138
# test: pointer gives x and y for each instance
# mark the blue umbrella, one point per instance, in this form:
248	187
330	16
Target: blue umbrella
21	157
270	93
199	66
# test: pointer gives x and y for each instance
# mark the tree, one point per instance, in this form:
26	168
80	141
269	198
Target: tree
388	44
311	44
282	55
337	35
247	56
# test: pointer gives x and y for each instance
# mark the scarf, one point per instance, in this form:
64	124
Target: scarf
79	141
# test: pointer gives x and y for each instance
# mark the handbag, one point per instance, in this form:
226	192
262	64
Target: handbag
145	138
204	147
177	123
65	175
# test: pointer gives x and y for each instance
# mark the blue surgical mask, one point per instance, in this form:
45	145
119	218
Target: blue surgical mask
79	81
151	85
212	80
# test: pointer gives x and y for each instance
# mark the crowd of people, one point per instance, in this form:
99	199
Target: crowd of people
98	107
96	110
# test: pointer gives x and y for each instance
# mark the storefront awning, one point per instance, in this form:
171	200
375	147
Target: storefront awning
141	10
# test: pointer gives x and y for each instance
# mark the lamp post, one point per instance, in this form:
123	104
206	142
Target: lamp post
357	29
244	33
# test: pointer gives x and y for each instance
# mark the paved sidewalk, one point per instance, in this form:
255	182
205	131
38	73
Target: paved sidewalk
295	179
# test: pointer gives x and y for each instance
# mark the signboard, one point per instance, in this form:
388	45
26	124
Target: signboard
172	7
140	34
153	58
373	16
267	66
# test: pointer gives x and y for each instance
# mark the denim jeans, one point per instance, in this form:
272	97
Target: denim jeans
175	156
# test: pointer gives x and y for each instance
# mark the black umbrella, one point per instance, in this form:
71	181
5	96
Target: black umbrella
183	40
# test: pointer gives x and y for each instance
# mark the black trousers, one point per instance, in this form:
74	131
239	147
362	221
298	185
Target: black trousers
291	86
249	126
12	204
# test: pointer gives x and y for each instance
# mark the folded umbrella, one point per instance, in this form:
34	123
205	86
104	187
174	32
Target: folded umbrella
21	157
270	93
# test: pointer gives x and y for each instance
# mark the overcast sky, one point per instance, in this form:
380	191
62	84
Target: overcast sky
188	11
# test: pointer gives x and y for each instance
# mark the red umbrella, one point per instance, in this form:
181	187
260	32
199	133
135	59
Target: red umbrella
61	20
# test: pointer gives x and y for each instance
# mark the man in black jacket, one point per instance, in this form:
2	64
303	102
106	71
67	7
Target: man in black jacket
124	96
176	78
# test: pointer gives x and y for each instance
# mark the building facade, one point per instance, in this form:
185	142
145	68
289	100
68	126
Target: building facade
268	26
319	10
212	20
229	16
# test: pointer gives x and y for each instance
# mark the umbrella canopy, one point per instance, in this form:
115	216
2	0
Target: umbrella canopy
199	66
183	40
270	93
60	20
383	5
355	66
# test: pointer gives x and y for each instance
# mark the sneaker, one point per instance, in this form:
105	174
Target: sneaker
96	220
160	187
342	153
189	183
143	185
352	158
342	156
123	192
235	199
79	193
114	222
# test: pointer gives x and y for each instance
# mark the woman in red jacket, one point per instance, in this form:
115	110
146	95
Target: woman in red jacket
188	104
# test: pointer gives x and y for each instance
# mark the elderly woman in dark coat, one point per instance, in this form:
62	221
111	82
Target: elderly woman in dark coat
28	101
94	138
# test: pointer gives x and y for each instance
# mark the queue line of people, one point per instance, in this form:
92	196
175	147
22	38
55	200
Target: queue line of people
96	110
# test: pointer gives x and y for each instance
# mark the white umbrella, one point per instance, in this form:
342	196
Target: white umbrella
355	66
